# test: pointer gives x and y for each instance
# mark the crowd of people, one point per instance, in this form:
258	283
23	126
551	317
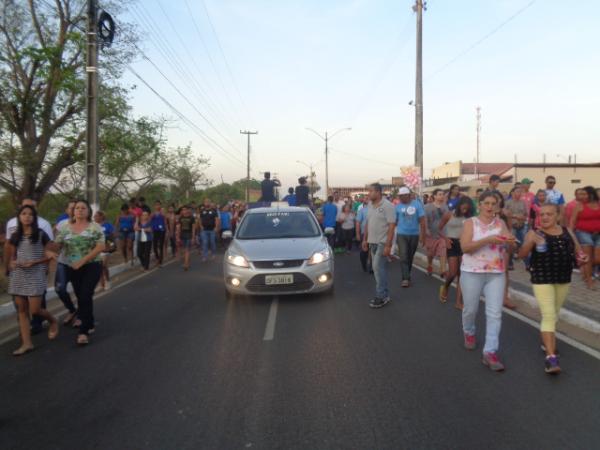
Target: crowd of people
476	241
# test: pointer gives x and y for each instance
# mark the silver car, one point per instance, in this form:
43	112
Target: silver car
278	251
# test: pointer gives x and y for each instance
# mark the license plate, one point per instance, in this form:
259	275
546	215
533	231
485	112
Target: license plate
279	279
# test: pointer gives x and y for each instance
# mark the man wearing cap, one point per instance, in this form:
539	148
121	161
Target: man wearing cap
410	230
527	196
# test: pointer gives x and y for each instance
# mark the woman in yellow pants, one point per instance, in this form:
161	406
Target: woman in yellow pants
553	250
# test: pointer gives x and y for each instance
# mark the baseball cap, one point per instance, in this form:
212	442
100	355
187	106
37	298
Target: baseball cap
526	181
404	191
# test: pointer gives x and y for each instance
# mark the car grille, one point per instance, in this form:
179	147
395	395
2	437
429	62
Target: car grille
301	283
278	264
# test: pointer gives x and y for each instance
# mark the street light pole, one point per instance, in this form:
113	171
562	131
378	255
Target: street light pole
312	176
418	8
327	138
91	160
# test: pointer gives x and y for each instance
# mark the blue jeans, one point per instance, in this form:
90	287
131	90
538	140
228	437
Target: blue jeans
519	234
208	237
61	280
379	263
491	285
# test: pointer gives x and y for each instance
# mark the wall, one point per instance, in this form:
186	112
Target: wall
448	170
565	177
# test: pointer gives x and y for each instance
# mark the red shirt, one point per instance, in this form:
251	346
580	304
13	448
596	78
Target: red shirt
588	219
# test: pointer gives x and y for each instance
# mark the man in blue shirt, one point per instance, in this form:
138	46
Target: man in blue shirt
290	198
410	229
361	221
330	212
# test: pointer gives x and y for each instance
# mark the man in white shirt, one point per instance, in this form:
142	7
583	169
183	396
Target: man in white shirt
11	227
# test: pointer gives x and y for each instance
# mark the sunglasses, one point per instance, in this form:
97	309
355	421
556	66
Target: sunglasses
551	182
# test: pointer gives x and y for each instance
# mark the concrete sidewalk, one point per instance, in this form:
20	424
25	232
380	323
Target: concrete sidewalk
579	319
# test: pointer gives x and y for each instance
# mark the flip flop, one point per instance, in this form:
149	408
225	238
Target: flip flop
443	298
23	350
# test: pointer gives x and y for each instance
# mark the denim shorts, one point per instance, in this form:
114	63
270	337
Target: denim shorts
588	239
186	242
130	234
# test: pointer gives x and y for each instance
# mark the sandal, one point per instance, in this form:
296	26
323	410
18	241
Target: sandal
23	350
443	294
82	339
53	331
70	318
76	323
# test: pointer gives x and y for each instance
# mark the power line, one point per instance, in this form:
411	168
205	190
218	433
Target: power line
354	155
227	62
178	66
479	41
187	121
212	63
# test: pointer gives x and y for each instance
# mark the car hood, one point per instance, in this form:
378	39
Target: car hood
270	249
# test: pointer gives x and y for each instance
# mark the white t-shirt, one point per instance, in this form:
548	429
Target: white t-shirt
340	207
43	224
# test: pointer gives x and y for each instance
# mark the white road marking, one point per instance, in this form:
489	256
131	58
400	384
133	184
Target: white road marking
578	345
271	320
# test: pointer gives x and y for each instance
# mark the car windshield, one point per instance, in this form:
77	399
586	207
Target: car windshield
278	225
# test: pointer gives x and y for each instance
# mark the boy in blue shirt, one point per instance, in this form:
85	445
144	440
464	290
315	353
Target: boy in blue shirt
410	230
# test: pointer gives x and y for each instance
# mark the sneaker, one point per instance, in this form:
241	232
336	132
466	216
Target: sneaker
491	360
429	270
470	342
543	349
552	364
405	283
379	302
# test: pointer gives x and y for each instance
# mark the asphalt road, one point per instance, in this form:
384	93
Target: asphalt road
174	365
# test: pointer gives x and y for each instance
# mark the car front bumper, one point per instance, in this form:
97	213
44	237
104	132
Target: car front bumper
251	281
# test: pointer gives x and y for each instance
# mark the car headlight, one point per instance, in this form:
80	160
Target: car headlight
237	260
319	257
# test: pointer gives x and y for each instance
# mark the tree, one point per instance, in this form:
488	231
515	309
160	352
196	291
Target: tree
185	172
42	90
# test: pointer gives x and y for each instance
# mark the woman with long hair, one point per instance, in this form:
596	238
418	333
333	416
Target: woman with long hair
28	257
453	197
451	228
585	221
83	241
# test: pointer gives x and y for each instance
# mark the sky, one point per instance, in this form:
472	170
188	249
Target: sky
282	66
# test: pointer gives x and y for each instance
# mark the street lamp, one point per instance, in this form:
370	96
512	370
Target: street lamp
326	138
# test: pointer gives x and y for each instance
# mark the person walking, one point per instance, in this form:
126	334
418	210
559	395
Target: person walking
11	227
186	234
410	230
125	223
451	228
553	195
361	221
346	221
28	258
553	250
516	211
330	213
144	238
83	241
453	197
435	244
171	222
109	247
209	226
483	243
379	236
159	232
585	221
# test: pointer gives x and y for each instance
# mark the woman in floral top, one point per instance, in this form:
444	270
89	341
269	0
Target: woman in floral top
82	242
484	242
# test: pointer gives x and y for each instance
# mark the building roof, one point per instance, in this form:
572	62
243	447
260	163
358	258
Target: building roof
485	168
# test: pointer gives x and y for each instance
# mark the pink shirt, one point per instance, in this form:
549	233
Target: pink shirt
490	258
569	210
528	198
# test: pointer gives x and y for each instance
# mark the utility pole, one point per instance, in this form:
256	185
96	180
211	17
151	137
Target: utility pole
478	109
326	138
248	133
91	160
418	8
